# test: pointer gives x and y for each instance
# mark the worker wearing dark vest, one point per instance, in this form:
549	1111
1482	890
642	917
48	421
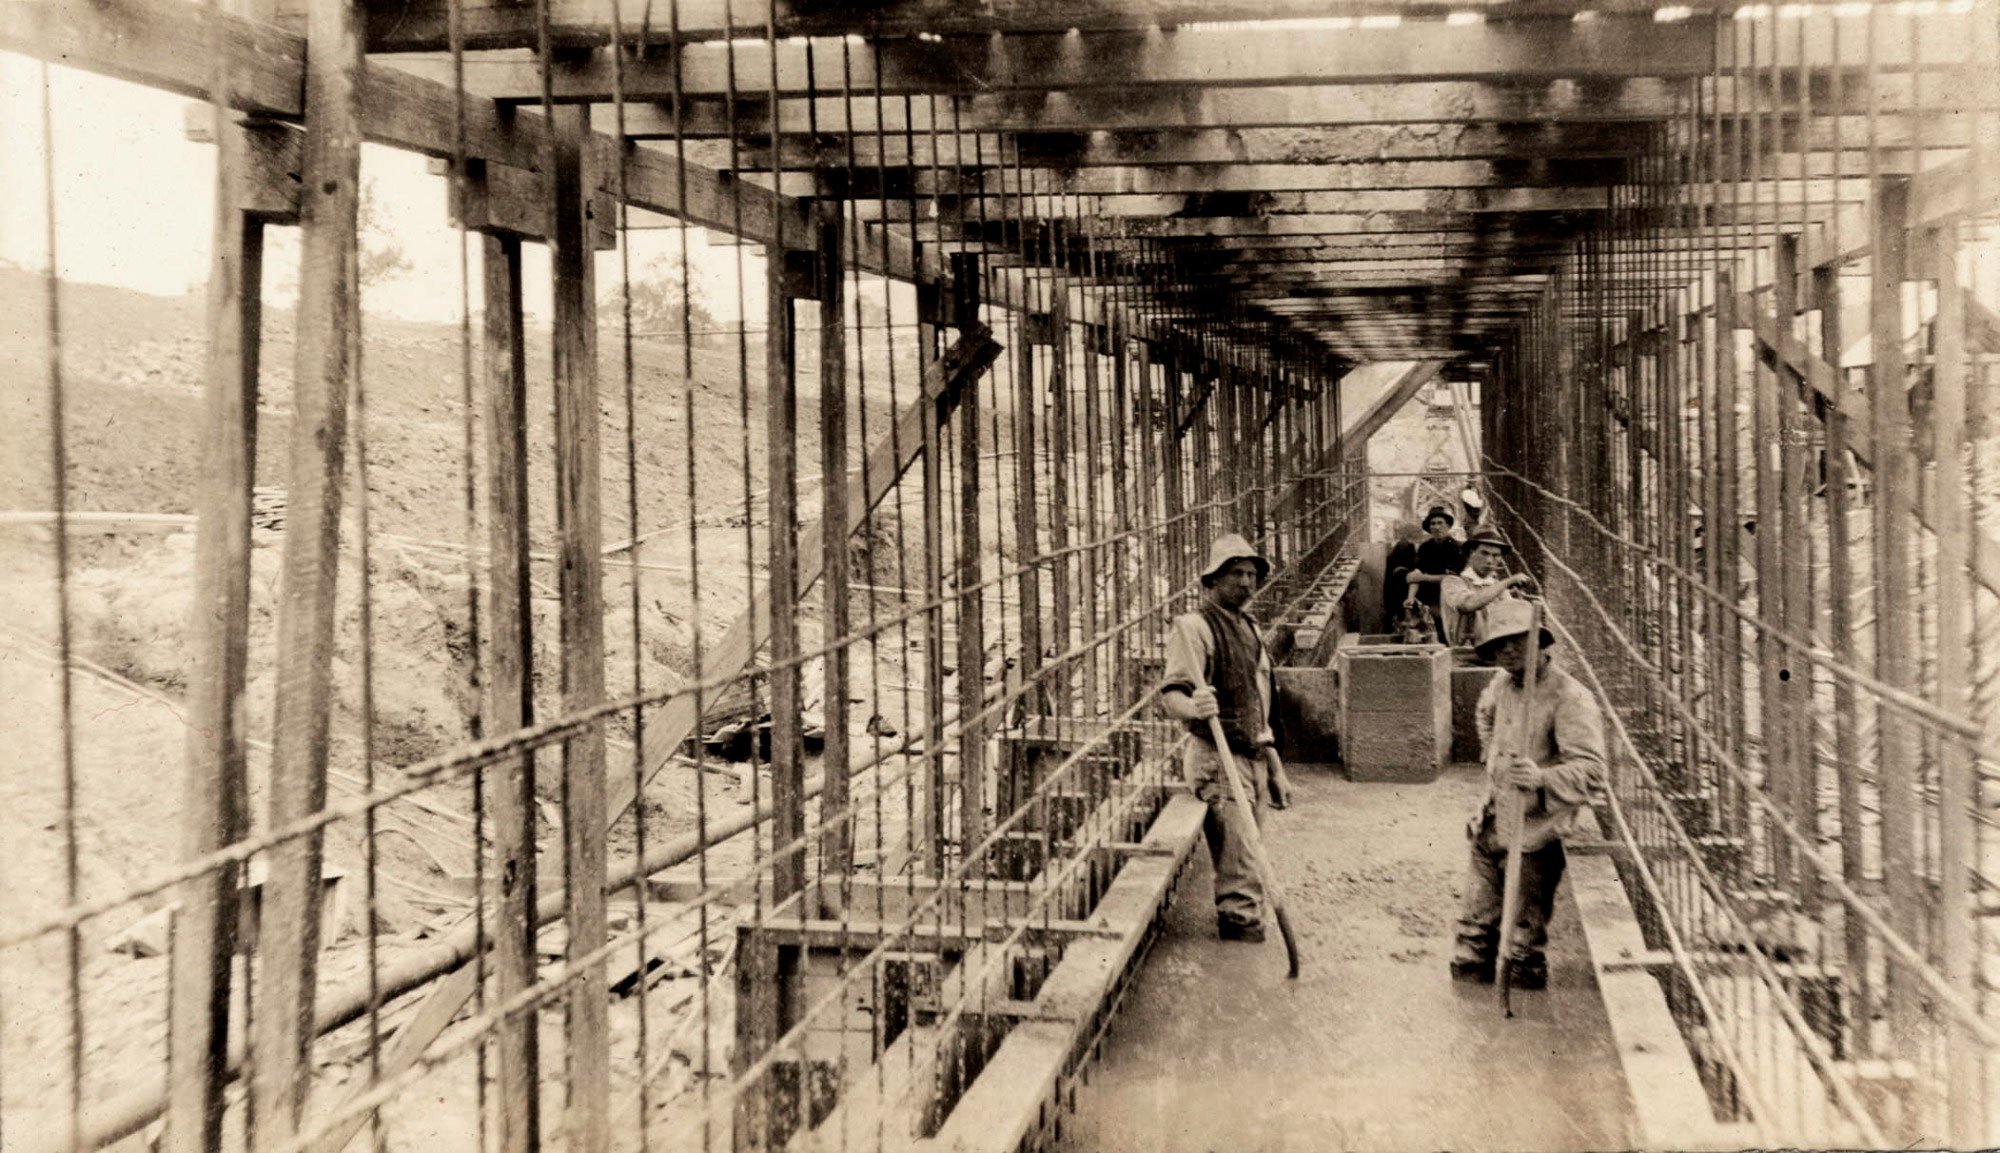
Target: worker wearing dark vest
1217	667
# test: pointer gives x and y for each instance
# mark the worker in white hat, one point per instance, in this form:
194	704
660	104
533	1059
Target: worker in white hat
1552	748
1217	666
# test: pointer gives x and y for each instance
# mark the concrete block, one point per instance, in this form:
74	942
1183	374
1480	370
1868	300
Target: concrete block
1379	748
1395	710
1397	678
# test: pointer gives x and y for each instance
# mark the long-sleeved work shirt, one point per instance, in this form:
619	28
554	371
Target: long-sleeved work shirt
1191	650
1461	622
1563	733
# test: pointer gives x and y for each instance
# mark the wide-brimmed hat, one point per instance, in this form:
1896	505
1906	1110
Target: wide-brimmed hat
1508	617
1438	510
1230	547
1487	534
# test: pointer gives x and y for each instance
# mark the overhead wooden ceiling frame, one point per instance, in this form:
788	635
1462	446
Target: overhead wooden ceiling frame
1198	106
422	24
153	42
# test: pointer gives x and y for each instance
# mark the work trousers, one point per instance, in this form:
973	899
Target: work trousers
1479	913
1239	893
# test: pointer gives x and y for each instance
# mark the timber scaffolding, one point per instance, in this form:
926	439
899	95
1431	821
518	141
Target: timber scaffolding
1707	269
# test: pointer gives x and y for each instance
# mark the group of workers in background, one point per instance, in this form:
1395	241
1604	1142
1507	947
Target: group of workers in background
1549	745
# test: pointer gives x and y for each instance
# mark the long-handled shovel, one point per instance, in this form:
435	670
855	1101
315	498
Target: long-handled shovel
1255	841
1512	814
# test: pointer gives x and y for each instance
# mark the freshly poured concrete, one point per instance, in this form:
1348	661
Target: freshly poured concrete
1374	1047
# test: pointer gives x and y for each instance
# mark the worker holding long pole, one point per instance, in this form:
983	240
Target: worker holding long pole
1543	737
1219	682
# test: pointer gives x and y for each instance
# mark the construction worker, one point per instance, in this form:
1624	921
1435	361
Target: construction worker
1552	749
1467	594
1402	561
1217	666
1438	556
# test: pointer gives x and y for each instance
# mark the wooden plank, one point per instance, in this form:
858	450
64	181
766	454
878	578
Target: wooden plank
329	313
1672	1108
214	790
837	836
580	544
1314	106
1243	176
971	623
781	401
1607	49
1366	144
422	25
1391	402
510	697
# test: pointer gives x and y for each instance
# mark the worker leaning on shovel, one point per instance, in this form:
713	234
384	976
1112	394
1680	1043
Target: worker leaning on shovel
1217	667
1551	748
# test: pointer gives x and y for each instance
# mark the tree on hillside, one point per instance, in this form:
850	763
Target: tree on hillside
381	257
659	291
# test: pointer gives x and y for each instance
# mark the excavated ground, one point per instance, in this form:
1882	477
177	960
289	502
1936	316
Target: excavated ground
1374	1047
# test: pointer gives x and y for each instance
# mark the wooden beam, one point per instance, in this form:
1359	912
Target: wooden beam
580	543
510	697
1295	177
1351	144
423	24
1607	49
1306	107
214	788
1393	398
329	313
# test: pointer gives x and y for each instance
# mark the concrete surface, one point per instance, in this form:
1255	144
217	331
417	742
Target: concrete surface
1374	1047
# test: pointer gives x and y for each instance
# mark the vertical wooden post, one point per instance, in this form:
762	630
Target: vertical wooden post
1060	570
510	697
1796	481
1895	624
788	868
837	836
1173	471
213	791
329	318
1771	721
971	598
580	548
1122	422
1840	626
1959	790
1027	537
935	794
1724	537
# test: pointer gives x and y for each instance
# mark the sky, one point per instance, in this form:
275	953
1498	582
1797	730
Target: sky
134	207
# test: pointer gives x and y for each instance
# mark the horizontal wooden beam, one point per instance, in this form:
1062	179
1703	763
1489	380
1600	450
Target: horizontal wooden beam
1518	53
424	24
1186	109
1351	144
1337	176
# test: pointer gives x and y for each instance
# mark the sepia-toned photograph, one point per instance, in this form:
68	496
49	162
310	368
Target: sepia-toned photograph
999	576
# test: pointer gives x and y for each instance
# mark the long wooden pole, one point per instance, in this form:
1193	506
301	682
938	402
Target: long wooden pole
1513	814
